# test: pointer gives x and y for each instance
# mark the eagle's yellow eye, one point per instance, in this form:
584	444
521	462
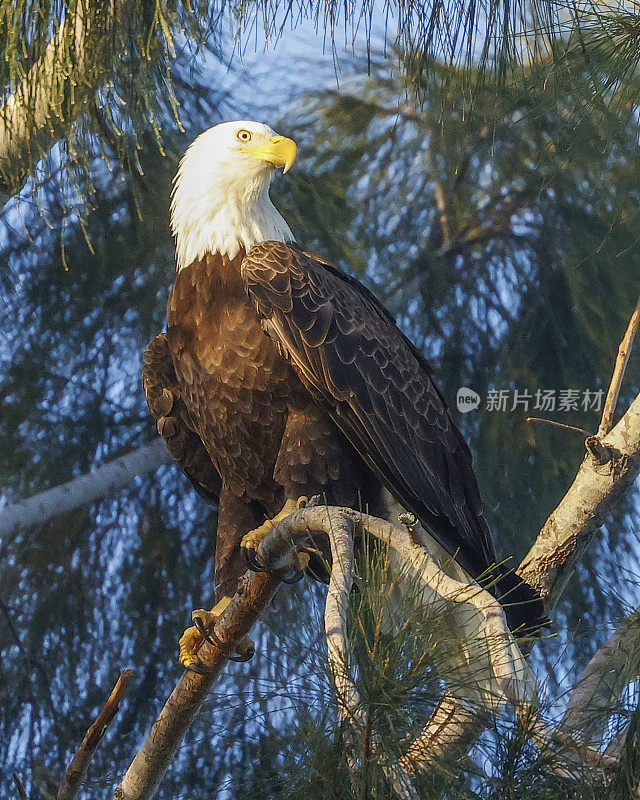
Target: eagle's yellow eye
243	136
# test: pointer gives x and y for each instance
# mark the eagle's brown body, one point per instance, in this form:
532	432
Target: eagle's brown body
281	376
265	436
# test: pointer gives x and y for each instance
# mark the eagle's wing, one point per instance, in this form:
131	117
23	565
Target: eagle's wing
378	389
174	423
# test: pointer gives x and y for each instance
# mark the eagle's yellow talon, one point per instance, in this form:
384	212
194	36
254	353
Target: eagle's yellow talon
191	640
188	646
251	540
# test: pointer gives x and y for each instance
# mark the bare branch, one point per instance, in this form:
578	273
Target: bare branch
555	424
150	763
335	625
443	217
610	467
83	490
622	359
602	681
451	731
77	769
21	790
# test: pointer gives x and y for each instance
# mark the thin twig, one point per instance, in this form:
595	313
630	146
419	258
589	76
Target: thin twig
622	359
443	217
77	769
21	792
555	424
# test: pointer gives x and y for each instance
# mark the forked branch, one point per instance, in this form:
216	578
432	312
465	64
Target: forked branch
610	467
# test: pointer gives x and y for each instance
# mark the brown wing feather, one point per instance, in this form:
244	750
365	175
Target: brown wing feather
378	389
174	423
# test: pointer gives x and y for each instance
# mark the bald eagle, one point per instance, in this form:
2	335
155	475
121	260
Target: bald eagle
281	376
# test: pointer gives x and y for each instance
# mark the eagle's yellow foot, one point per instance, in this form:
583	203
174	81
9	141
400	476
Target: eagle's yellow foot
192	639
252	539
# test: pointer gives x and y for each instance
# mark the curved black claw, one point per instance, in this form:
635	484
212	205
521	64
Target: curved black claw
200	669
255	566
292	577
210	636
252	562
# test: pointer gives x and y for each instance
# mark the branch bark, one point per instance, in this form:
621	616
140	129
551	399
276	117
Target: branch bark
150	763
611	465
77	769
601	682
592	495
83	490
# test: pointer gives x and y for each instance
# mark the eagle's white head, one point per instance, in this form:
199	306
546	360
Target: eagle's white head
220	200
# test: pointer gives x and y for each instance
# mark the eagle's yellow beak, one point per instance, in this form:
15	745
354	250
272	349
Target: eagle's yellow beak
279	151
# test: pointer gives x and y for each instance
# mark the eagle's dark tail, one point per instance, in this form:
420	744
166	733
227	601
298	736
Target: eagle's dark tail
522	604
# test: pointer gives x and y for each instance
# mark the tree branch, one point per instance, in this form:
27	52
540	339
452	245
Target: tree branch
602	681
611	465
496	669
335	625
592	495
451	731
150	763
21	790
624	351
77	769
83	490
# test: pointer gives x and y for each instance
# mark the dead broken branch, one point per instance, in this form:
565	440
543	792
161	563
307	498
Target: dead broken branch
77	769
622	359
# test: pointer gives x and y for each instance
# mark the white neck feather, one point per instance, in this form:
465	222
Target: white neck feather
213	211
